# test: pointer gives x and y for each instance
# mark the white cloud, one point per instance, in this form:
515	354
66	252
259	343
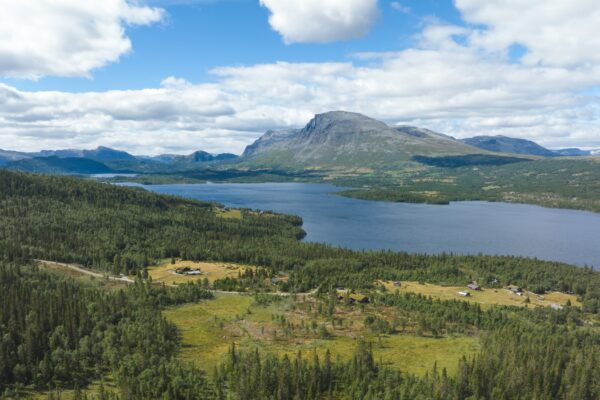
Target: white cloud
452	81
555	32
399	7
439	85
321	21
65	37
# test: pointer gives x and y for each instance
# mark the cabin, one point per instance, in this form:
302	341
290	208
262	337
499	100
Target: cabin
188	271
474	286
516	290
464	294
354	298
397	283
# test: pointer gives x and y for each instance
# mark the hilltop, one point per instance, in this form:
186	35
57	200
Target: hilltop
505	144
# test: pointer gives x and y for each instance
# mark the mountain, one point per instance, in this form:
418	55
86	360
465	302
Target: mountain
161	158
58	165
572	152
421	133
197	156
270	139
106	160
203	156
101	154
7	156
346	139
504	144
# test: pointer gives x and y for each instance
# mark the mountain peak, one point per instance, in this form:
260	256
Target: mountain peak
338	127
345	138
345	117
340	115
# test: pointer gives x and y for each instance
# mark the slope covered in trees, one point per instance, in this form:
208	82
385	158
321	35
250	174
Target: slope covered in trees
55	332
555	182
123	230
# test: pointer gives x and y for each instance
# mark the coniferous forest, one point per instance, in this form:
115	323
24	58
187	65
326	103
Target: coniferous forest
57	332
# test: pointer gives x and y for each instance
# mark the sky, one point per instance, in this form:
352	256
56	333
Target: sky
176	76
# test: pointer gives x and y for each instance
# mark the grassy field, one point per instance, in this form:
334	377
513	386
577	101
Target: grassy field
210	270
209	328
487	296
228	213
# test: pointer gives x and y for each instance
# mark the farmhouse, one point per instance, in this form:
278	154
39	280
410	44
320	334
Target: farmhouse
474	286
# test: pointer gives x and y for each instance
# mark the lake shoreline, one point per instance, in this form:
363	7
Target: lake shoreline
467	228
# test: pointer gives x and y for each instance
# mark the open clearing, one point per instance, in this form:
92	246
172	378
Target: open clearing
228	213
487	296
210	270
209	328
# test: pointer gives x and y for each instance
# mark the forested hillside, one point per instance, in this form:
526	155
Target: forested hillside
121	229
558	182
59	333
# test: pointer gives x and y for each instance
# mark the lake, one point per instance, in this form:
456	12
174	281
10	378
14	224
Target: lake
462	227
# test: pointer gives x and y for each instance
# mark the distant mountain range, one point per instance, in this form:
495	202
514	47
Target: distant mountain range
336	140
104	160
60	165
99	154
504	144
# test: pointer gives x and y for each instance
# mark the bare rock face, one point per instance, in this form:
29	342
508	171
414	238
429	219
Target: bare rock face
270	138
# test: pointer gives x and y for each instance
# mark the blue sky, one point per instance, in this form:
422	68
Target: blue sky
197	36
176	76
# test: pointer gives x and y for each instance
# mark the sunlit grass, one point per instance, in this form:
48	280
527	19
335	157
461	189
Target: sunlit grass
210	270
486	297
209	328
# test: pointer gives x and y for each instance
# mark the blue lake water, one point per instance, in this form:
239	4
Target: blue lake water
462	227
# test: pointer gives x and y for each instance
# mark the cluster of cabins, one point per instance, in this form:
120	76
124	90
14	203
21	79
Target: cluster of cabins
344	294
475	287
